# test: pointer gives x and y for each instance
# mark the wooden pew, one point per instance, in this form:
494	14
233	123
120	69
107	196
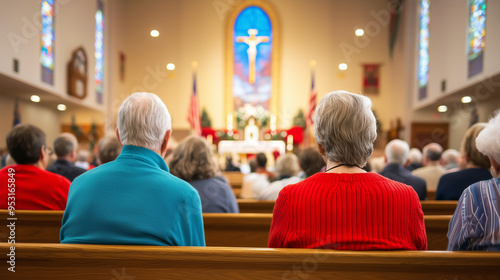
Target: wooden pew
255	206
91	262
231	230
235	178
429	207
438	207
431	195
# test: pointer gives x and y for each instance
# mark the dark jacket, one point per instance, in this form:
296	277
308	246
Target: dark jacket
452	185
66	169
398	173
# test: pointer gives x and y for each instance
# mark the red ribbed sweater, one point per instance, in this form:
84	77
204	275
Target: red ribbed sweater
362	211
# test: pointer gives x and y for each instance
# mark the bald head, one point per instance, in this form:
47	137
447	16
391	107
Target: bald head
432	153
397	151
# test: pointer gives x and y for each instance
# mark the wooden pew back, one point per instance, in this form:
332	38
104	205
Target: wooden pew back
429	207
89	262
231	230
235	178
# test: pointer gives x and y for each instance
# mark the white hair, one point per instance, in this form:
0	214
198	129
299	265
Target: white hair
287	165
397	151
346	127
488	140
143	120
450	156
415	156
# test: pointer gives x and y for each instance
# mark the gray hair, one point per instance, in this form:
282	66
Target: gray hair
64	144
346	127
83	155
143	120
287	165
415	156
450	156
487	142
193	160
397	151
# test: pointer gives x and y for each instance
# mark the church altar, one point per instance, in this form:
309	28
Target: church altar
251	147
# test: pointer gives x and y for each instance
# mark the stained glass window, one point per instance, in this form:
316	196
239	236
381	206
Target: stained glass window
252	49
423	53
99	51
47	41
476	36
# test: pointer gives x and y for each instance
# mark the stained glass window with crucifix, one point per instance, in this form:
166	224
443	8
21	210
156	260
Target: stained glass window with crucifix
252	60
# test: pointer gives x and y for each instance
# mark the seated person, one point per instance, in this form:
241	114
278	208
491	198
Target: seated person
262	167
287	167
449	159
230	165
258	180
83	159
66	147
474	167
310	161
347	208
254	178
134	199
432	170
108	149
396	157
35	188
193	162
415	158
476	222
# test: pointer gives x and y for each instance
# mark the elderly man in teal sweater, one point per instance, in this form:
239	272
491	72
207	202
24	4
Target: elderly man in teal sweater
134	199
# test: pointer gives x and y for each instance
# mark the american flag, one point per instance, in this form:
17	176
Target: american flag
312	102
17	115
194	111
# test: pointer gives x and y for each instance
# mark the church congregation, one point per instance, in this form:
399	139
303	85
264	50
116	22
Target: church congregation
151	151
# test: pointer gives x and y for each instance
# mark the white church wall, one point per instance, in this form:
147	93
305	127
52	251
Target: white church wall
45	118
448	48
74	27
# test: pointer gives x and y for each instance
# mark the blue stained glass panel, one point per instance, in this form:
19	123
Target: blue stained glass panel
47	41
476	36
423	53
99	51
252	50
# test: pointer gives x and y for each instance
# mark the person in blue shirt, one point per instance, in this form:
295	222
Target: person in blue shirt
476	222
134	199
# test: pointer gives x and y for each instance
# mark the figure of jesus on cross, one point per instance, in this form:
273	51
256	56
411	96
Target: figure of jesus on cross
252	41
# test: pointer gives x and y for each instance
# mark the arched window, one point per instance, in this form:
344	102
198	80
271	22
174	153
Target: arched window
252	56
47	41
99	51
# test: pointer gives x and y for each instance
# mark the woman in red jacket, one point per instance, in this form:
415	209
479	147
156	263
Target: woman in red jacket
346	208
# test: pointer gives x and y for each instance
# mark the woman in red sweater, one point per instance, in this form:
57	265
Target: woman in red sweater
346	208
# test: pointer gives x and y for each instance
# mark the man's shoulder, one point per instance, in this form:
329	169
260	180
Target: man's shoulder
415	178
46	176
